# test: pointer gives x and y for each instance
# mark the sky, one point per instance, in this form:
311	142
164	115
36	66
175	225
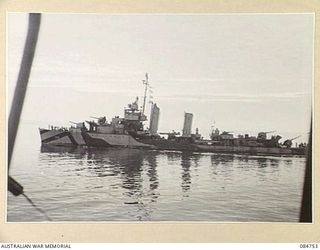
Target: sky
242	73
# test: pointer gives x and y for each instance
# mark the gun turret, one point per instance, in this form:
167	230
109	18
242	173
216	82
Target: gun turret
288	143
263	135
101	120
226	132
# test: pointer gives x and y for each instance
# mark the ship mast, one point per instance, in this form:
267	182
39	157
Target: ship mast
145	82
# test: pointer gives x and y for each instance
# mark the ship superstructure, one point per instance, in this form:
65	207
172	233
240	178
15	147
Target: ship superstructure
121	131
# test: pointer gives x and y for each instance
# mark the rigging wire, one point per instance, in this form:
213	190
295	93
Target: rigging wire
36	207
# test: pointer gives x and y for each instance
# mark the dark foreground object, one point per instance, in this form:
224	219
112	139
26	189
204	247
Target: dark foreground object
306	206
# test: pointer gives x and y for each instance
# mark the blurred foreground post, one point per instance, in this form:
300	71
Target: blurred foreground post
20	92
306	206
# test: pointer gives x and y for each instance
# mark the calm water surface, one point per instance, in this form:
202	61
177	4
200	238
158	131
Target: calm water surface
145	185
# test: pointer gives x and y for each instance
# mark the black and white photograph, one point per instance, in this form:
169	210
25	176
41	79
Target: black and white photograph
159	117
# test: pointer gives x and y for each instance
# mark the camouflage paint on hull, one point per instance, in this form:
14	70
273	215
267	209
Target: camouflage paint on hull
94	139
56	137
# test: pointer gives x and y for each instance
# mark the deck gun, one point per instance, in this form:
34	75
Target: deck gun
101	120
288	143
263	135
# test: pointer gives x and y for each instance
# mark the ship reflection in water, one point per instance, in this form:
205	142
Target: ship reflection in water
121	184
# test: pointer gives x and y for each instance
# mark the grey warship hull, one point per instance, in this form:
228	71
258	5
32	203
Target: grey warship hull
61	137
113	140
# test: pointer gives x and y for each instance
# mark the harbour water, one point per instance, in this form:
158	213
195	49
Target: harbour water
101	185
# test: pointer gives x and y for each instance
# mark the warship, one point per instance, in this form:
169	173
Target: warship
129	131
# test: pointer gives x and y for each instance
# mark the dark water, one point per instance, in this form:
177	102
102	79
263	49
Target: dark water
144	185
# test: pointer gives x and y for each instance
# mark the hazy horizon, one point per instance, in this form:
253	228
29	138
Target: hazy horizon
243	73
